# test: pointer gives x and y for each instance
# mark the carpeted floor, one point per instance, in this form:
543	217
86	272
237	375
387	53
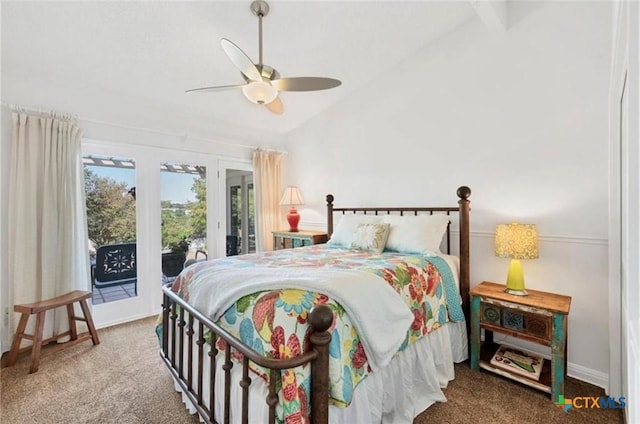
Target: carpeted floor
483	397
123	381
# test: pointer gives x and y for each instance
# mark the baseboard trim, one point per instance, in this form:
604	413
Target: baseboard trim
124	321
588	375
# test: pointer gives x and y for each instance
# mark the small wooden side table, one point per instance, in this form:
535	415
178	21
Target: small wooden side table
288	239
540	317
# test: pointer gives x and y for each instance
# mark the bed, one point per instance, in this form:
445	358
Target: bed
363	329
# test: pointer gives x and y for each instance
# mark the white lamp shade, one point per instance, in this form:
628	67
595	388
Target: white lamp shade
260	92
291	196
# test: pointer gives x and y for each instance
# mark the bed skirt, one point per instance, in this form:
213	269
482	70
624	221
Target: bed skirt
411	383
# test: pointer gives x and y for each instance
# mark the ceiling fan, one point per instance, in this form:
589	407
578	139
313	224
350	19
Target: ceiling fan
263	83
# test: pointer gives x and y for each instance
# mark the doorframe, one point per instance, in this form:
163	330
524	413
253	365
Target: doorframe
624	81
631	314
618	72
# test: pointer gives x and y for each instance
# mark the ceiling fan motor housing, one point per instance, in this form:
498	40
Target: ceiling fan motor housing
267	72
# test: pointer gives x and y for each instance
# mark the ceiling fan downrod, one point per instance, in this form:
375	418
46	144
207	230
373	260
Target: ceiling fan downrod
260	8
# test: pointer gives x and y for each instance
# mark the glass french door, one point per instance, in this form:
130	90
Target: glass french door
118	185
157	210
241	234
183	206
110	194
237	213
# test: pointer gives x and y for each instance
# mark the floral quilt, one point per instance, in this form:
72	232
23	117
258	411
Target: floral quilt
274	322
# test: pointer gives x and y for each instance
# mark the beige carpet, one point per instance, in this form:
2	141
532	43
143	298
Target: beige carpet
123	380
483	397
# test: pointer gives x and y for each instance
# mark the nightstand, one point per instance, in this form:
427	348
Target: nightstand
288	239
540	318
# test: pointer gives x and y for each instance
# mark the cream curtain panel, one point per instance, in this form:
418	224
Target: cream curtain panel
267	188
48	253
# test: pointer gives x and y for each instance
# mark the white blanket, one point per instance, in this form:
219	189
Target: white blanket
379	314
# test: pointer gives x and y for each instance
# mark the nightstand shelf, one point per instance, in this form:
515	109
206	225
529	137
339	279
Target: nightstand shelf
543	384
288	239
539	318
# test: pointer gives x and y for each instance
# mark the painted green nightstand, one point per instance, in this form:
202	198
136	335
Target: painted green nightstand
539	317
288	239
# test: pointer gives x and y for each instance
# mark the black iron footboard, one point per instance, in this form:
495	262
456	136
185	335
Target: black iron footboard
178	321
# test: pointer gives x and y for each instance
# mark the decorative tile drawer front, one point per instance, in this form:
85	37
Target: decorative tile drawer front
490	314
512	320
538	325
525	322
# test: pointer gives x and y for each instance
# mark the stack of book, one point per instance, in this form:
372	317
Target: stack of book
518	361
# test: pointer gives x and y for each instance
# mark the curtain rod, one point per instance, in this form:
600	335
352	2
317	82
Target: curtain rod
264	149
42	112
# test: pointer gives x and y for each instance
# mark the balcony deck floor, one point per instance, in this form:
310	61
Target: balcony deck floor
111	294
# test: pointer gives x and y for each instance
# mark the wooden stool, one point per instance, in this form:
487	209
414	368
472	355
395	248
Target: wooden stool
40	308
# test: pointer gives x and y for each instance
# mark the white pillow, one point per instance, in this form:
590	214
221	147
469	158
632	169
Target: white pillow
370	237
343	234
416	234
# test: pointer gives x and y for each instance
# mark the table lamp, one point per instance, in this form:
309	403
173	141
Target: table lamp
292	197
516	241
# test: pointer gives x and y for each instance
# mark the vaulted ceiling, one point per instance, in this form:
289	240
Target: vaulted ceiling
120	61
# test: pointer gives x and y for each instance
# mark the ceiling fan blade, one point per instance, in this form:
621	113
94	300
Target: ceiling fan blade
241	60
216	88
305	83
276	106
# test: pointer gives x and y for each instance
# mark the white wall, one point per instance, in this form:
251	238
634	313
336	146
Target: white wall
520	117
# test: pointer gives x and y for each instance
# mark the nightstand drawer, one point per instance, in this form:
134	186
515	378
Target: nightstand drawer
528	323
288	239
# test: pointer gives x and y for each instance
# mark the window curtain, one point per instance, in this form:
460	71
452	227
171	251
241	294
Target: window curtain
267	187
48	252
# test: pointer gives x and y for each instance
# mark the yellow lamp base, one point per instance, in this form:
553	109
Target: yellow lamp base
515	279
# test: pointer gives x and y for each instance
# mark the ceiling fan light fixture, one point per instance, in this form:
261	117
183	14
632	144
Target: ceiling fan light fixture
260	92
